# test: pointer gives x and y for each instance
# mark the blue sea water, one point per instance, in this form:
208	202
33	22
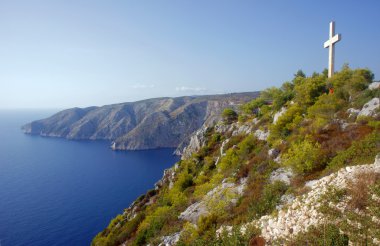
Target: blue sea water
60	192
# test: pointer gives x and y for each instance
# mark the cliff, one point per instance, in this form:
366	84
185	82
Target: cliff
300	170
147	124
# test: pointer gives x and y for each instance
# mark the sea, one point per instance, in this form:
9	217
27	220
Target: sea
62	192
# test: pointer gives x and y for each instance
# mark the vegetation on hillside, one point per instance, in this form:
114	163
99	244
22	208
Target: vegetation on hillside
315	136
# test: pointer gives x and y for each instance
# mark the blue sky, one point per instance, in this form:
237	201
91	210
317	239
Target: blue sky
59	54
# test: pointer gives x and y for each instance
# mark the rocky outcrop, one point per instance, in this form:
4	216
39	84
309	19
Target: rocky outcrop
281	174
170	240
278	114
261	135
370	108
228	192
147	124
197	141
300	213
374	85
303	212
167	178
352	112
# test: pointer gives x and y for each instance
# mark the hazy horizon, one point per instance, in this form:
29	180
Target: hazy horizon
58	55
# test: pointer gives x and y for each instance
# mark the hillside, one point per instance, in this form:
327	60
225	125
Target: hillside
295	166
147	124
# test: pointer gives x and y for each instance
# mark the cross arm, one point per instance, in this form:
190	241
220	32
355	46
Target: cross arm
332	40
327	44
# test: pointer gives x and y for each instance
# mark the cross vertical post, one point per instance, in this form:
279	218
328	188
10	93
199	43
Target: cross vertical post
330	43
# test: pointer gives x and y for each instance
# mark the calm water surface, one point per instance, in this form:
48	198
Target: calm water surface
60	192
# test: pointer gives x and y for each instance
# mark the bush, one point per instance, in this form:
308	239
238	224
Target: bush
303	156
360	152
229	115
269	199
153	223
286	123
253	106
325	108
309	89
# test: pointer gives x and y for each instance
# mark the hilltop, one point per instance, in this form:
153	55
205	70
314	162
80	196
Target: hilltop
275	171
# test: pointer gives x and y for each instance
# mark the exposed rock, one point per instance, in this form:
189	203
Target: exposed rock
255	121
261	135
222	147
224	128
224	229
281	174
300	213
277	159
242	129
285	200
194	211
278	114
227	191
303	212
273	153
353	112
167	178
147	124
370	108
170	240
197	141
374	85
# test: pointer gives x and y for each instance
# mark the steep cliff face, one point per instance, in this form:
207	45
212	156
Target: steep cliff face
296	171
147	124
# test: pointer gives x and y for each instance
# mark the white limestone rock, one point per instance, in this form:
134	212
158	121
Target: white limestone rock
255	121
167	178
170	240
370	108
278	114
277	159
194	211
197	141
273	153
261	135
374	85
285	200
242	129
281	174
302	212
222	128
227	191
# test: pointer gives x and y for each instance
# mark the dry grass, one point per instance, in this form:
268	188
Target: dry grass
359	189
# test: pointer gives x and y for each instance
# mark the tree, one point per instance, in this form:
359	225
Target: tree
299	73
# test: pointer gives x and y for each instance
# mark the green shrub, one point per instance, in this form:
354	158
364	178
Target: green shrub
153	223
325	107
303	157
229	115
286	123
266	203
307	90
360	152
253	106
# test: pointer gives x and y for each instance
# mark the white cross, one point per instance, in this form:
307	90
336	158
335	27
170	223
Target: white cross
330	44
